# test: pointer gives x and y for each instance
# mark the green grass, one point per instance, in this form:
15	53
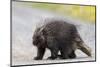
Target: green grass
85	13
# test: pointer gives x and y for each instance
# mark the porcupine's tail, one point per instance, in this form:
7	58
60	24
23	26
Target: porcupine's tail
82	46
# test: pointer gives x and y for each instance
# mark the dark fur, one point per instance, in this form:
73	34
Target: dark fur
56	36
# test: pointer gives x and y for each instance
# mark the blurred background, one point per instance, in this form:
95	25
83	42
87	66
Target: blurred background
26	16
85	13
